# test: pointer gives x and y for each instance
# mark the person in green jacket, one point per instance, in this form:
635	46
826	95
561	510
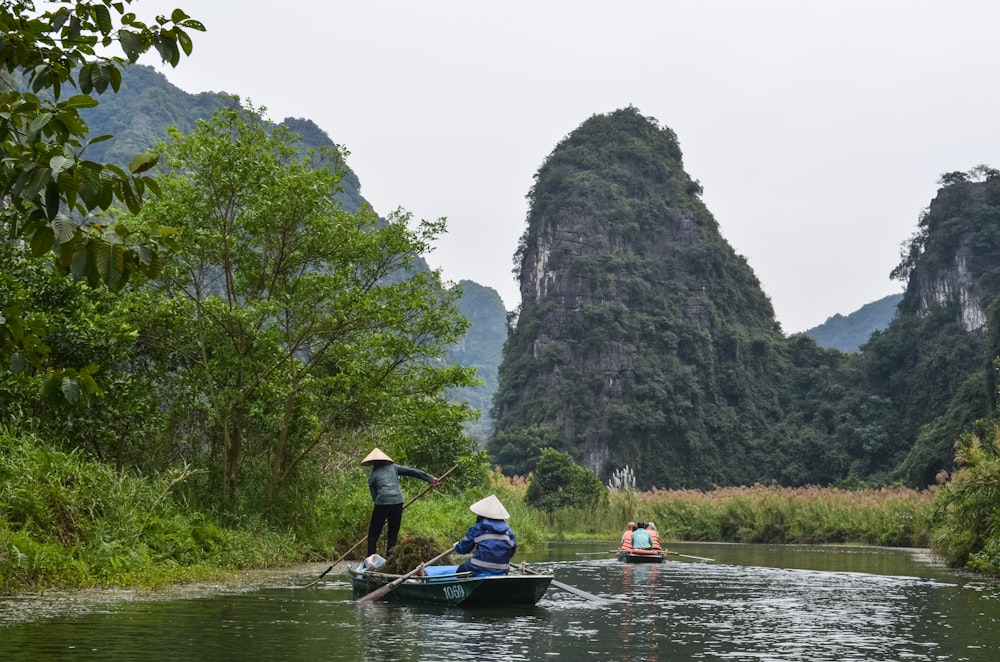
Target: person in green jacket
383	483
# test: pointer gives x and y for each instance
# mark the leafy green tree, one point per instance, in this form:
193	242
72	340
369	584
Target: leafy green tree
300	326
560	483
516	452
90	327
48	189
968	504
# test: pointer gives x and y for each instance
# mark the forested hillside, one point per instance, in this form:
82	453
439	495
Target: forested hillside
936	362
644	340
481	348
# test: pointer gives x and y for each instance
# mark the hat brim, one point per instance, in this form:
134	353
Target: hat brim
377	455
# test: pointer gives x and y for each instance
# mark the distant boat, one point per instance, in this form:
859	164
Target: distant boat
455	589
642	556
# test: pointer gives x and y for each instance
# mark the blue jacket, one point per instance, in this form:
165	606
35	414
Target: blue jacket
494	544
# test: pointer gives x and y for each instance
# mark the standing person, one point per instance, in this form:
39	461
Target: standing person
491	537
641	538
383	483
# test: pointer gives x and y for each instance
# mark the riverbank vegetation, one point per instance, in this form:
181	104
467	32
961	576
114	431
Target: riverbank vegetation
70	521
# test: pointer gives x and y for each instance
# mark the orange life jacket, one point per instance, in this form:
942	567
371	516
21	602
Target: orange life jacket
626	545
655	537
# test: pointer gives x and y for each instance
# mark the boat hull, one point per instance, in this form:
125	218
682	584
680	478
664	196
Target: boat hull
638	557
464	591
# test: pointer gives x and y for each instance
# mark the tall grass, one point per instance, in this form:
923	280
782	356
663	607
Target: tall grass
72	522
893	516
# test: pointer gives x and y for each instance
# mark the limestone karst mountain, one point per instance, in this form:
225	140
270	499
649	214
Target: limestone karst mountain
643	338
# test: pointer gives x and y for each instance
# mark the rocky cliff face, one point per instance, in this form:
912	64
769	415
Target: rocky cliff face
957	247
633	307
935	362
953	285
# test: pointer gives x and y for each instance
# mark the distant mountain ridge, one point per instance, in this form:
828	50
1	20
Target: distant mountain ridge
849	332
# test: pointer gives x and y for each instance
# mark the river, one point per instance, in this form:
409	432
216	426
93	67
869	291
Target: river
753	602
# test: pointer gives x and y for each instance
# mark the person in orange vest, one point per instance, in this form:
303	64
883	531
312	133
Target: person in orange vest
626	544
654	536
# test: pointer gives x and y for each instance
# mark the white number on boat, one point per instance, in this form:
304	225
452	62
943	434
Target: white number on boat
454	592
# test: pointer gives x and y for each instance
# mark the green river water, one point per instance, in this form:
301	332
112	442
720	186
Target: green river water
754	602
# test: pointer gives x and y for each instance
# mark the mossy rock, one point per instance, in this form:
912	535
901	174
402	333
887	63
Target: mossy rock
410	552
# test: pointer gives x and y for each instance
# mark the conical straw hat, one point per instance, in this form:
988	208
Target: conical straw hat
490	507
375	456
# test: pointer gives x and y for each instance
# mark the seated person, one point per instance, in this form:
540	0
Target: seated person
654	536
641	540
626	543
490	537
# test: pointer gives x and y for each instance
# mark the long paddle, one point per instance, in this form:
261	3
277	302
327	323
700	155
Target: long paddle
382	590
358	543
571	589
688	556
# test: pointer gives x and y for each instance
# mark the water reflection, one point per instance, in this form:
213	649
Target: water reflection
640	588
754	603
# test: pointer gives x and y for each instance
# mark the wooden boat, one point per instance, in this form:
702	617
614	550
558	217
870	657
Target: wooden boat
455	589
642	556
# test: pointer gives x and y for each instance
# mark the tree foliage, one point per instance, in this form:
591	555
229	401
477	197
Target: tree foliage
967	505
48	188
298	326
558	482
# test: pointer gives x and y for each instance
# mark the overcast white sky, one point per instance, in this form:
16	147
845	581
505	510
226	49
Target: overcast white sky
817	129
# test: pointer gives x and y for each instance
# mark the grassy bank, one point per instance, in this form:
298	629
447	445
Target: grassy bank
71	522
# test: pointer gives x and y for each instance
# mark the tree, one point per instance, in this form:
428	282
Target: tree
301	326
965	505
88	327
48	190
559	483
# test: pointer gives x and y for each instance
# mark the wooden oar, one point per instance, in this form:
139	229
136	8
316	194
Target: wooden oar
613	551
570	589
688	556
358	543
383	590
342	557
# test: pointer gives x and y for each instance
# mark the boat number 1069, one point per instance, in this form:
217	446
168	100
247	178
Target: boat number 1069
454	592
